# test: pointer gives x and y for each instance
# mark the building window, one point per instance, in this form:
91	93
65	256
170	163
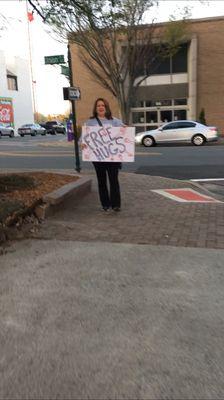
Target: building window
12	82
179	60
154	113
137	103
138	117
151	117
180	102
166	116
163	63
180	114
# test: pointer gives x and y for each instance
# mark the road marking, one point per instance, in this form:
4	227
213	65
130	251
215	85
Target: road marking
186	195
53	153
35	153
56	144
148	154
207	180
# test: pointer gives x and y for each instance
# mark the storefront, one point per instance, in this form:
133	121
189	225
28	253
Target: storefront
152	114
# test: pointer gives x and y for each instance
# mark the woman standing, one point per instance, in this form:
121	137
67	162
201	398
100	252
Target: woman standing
109	198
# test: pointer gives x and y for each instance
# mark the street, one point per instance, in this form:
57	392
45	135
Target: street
176	161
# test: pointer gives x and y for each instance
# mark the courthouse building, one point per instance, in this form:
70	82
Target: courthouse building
196	82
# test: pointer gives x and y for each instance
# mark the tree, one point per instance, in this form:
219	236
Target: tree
3	24
113	42
175	33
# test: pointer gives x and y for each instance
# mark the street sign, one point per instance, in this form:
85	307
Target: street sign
64	70
71	93
54	59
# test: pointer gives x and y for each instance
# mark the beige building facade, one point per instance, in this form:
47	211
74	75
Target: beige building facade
196	82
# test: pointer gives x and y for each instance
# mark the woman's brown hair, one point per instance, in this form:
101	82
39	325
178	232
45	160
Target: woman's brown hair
108	113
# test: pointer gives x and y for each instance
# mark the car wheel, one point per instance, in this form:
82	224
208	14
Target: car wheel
0	135
11	134
22	134
148	141
198	140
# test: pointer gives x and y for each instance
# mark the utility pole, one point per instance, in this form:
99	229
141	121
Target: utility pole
76	145
31	62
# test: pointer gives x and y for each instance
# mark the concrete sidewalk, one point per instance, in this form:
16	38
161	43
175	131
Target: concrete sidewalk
125	305
82	320
146	217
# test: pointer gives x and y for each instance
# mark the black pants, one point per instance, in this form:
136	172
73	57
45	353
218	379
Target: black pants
111	198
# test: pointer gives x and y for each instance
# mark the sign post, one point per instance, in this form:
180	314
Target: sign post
54	60
72	93
65	70
76	145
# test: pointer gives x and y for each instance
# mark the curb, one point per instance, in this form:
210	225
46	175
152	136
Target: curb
210	193
51	202
55	200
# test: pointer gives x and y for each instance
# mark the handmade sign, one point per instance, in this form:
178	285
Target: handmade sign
108	143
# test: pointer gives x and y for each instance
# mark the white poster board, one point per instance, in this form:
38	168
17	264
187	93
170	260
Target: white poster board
108	143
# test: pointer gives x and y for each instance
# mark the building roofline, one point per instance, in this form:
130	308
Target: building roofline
207	19
196	20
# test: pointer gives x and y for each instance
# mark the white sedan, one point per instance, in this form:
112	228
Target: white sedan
6	130
178	131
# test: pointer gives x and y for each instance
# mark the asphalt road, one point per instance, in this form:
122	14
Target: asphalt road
176	161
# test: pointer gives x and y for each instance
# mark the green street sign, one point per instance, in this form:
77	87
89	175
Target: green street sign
54	59
64	70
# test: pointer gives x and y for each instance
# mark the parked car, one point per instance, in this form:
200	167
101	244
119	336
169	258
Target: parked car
178	131
31	129
54	127
6	131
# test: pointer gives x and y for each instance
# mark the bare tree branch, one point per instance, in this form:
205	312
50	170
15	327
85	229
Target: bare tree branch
115	46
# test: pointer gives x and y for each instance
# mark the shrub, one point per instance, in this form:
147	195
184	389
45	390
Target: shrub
202	119
11	182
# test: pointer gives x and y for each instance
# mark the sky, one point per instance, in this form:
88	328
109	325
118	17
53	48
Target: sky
48	88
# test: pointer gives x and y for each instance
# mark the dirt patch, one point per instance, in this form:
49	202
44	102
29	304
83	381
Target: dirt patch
21	192
43	183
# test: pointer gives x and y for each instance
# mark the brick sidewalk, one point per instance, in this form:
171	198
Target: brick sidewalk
146	217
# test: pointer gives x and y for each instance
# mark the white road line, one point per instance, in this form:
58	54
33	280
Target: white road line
207	180
138	153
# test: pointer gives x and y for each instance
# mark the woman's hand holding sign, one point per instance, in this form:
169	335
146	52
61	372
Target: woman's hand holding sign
83	146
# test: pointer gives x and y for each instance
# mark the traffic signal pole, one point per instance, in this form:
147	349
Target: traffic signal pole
76	144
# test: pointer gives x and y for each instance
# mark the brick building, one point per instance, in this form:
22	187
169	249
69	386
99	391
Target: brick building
196	82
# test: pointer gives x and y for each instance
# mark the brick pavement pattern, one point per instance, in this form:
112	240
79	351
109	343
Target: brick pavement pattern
146	217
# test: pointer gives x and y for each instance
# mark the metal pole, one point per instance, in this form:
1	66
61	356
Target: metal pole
31	64
76	145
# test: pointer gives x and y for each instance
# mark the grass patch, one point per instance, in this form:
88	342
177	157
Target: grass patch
11	182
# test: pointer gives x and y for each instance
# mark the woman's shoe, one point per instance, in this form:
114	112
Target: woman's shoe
116	209
105	209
